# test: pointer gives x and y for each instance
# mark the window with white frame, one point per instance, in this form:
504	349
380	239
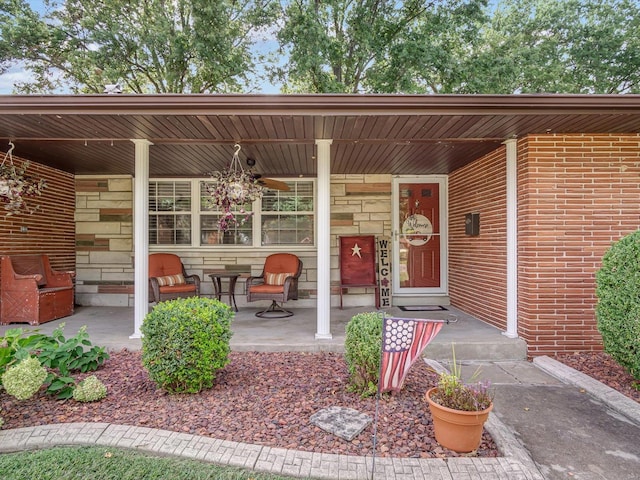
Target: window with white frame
181	214
170	213
239	233
287	217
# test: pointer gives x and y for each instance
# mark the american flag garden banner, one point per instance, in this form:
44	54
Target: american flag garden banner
403	340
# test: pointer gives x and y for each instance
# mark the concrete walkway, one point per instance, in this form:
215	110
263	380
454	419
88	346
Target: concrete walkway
546	448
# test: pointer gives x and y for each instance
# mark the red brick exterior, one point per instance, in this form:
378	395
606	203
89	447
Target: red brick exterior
577	194
51	228
478	265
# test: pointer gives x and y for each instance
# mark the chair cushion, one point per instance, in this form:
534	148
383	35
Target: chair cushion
281	263
182	288
163	264
276	278
171	280
266	289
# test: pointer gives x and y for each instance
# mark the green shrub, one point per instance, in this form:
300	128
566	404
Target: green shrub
618	307
362	346
16	345
61	355
90	389
24	379
185	342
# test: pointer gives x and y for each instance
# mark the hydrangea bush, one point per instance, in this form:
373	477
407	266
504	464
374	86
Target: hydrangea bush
91	389
24	379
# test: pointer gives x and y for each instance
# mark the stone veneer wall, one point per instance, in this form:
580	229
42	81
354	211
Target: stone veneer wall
104	241
361	205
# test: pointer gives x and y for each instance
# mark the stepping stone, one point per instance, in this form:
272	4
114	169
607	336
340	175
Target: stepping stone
343	422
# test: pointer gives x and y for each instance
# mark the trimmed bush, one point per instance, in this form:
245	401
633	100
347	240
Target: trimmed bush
24	379
185	342
91	389
618	307
362	346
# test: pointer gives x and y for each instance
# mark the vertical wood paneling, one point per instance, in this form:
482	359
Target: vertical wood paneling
51	228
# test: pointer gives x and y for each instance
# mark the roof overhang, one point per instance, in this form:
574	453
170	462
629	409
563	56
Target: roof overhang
378	134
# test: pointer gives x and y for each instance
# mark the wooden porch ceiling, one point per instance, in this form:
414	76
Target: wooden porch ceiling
193	135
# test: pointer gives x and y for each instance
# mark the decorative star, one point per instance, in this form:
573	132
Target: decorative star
356	251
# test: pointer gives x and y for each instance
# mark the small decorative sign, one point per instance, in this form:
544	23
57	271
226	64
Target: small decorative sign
384	271
417	229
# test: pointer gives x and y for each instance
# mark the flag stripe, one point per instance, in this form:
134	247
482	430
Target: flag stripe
403	340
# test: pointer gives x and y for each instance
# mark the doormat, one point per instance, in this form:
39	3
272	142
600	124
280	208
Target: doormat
421	308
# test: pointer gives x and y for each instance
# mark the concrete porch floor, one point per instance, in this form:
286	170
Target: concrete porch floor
473	339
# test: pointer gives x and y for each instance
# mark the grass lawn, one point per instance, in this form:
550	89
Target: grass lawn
99	463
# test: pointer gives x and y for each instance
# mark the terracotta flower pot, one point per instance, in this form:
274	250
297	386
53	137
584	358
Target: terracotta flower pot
457	430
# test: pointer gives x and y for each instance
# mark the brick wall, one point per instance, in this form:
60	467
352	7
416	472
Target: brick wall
578	194
50	229
477	264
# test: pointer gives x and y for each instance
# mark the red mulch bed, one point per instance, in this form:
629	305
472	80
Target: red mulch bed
603	368
259	398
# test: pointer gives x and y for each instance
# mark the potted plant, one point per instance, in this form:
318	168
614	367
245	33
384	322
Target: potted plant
459	410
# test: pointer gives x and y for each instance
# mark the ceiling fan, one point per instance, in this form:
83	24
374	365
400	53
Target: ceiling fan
270	183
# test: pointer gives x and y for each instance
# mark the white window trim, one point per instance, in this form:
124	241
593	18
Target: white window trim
256	222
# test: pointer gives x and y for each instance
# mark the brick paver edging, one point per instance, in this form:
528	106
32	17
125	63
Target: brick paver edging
263	458
607	395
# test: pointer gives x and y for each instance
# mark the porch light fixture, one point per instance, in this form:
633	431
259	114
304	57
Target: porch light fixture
230	189
15	185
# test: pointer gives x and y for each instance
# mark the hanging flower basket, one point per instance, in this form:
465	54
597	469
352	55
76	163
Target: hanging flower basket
232	188
15	186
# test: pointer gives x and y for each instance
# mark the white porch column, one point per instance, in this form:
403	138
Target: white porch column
512	239
141	234
323	209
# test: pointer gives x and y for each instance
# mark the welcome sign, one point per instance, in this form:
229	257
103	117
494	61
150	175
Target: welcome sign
384	270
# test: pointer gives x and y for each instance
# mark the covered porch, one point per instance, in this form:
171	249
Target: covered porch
551	181
474	339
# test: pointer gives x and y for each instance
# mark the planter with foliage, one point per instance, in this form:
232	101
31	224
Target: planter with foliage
459	411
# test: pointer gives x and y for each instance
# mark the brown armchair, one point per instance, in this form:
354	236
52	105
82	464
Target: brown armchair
168	279
278	283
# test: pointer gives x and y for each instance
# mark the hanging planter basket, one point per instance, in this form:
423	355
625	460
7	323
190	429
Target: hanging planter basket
16	186
230	189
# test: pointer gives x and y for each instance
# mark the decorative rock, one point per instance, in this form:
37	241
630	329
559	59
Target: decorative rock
343	422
